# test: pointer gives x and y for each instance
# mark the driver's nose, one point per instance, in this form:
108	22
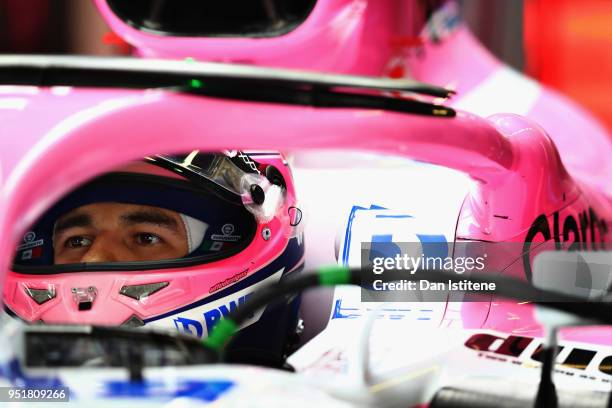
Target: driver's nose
104	249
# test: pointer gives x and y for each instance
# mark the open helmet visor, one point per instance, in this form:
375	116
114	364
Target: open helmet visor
227	196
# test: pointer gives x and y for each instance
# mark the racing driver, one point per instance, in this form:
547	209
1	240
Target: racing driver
172	242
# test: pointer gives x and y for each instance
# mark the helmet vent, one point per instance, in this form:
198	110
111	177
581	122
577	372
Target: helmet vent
84	297
40	296
140	292
133	321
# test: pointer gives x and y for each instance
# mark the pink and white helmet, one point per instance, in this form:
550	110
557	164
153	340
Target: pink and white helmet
241	221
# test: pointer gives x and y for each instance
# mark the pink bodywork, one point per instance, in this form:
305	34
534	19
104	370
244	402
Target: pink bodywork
519	171
376	38
510	157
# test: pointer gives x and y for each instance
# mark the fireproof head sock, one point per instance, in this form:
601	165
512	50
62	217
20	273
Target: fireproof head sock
195	230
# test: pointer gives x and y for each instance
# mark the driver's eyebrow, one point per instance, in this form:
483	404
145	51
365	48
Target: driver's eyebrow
72	221
150	217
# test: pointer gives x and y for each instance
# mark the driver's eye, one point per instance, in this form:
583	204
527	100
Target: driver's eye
147	238
77	242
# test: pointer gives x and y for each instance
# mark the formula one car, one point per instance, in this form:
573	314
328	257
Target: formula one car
424	40
84	133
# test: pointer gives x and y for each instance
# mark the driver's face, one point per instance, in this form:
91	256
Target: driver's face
114	232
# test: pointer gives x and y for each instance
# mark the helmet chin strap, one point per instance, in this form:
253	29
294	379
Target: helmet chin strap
195	230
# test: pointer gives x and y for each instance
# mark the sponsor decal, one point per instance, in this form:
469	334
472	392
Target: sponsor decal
13	372
199	318
31	247
400	312
578	231
227	231
442	23
211	317
295	216
228	281
203	390
587	358
213	245
242	161
247	160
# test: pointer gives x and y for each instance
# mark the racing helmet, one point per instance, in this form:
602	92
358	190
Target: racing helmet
238	215
343	36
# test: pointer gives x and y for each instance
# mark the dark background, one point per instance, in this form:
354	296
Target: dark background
74	26
564	44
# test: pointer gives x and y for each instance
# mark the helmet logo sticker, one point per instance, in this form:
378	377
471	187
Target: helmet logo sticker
216	246
199	321
227	231
295	216
212	315
247	160
31	247
229	281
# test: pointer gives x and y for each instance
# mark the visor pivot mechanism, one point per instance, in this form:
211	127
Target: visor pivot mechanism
84	297
257	194
275	177
266	234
